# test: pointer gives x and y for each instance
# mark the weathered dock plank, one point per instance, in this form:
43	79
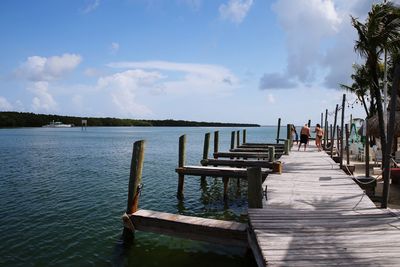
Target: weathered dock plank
316	215
218	171
195	228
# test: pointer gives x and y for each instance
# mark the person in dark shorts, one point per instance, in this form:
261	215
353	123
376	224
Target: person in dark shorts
304	135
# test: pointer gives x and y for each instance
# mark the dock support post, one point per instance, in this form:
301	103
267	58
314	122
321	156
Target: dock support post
289	134
309	123
226	181
254	188
271	154
238	138
347	144
216	141
278	130
341	131
232	139
333	132
244	136
366	150
287	147
181	163
326	128
134	187
205	151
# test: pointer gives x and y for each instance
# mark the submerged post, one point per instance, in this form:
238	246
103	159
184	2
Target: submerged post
216	141
181	163
205	151
254	188
134	187
232	139
237	138
278	130
244	136
271	153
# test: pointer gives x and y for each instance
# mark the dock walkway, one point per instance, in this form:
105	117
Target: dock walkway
316	215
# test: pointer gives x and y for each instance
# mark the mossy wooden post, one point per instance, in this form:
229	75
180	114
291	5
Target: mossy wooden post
326	128
342	130
135	179
254	188
278	130
244	136
205	151
334	128
347	144
271	154
238	138
232	139
216	141
181	163
287	141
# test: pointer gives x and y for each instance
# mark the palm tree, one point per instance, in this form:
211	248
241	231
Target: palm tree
381	31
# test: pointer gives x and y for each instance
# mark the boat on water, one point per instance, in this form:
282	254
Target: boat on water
57	124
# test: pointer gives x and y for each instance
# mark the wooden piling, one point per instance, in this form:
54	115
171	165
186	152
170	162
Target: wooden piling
309	123
232	139
216	141
287	144
238	138
244	136
271	154
366	150
326	128
322	120
181	163
205	151
278	130
341	131
334	128
254	188
226	182
347	144
134	187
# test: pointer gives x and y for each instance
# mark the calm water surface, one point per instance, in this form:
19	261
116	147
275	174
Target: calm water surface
63	191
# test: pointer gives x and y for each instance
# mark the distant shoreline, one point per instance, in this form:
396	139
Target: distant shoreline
27	119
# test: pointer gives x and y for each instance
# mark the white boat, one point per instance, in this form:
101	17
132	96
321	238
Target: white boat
57	124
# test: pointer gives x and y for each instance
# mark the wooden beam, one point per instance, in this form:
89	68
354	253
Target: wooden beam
254	194
217	171
258	155
244	135
232	139
239	163
278	130
341	130
194	228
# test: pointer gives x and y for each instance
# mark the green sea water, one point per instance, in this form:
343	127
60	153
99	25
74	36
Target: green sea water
63	191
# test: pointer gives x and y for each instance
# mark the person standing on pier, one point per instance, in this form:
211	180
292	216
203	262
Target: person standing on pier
319	133
304	135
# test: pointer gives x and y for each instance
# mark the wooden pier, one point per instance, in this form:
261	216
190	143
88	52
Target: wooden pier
316	215
309	214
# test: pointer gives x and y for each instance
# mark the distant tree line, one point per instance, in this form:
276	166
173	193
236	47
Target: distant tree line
25	119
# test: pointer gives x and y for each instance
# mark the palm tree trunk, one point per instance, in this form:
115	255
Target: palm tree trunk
391	124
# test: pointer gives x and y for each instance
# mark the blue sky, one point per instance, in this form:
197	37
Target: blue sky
230	60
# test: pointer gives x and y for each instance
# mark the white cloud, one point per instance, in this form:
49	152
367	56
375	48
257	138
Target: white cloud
114	47
235	10
91	5
124	86
5	105
37	68
43	100
271	98
319	40
199	78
